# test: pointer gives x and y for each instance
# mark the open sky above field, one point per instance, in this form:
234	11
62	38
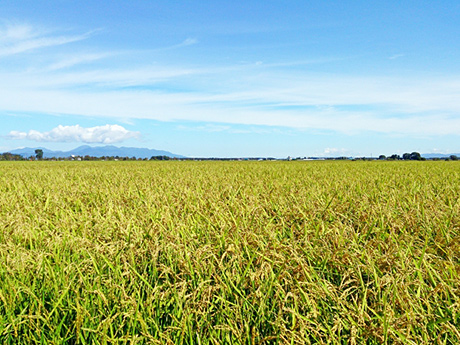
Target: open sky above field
232	78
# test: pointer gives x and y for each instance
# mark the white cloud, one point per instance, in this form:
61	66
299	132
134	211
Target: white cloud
396	56
16	32
76	60
335	151
189	41
267	94
20	38
107	134
206	128
185	43
358	104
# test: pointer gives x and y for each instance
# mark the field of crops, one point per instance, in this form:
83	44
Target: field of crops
230	252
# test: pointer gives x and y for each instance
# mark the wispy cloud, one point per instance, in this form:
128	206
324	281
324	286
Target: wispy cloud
396	56
77	60
343	104
107	134
188	42
234	129
20	38
212	128
14	32
185	43
281	94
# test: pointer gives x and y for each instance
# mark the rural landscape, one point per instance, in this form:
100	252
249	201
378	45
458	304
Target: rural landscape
230	252
222	172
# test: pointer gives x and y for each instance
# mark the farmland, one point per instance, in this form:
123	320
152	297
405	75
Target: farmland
230	252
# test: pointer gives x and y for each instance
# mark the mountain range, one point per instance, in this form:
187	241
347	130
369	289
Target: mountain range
439	155
97	151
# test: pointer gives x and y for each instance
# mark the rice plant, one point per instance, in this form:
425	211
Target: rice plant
229	252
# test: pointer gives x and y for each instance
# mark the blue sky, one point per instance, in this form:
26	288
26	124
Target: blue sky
232	78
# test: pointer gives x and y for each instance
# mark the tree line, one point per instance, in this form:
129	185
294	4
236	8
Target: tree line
7	156
414	156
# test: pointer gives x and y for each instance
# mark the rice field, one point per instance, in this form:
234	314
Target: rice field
229	252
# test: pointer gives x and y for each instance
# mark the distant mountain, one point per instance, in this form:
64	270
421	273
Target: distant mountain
97	151
439	155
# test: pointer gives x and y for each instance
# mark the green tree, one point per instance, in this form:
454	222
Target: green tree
415	156
159	158
39	153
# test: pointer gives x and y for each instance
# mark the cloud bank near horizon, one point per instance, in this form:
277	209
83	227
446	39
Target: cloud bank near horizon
108	134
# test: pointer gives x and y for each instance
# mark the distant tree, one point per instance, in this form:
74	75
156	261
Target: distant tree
39	154
159	158
406	156
453	157
382	157
415	156
394	157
